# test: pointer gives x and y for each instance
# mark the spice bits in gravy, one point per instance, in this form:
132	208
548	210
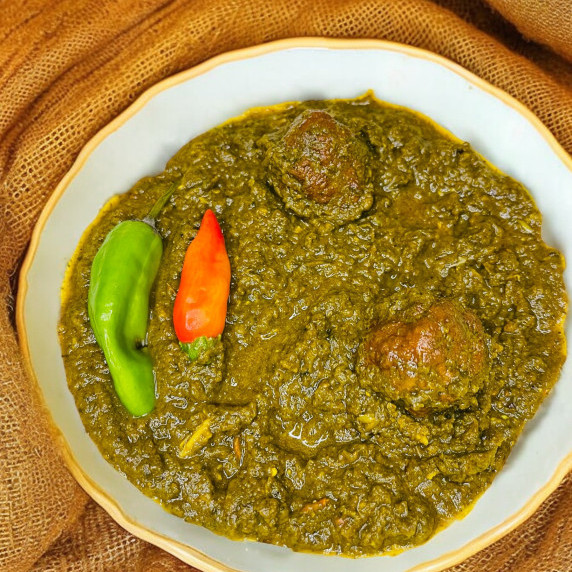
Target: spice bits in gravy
394	319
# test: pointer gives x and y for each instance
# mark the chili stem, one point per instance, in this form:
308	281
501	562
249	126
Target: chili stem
160	203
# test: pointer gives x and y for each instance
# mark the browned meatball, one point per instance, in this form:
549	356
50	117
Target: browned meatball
428	360
320	169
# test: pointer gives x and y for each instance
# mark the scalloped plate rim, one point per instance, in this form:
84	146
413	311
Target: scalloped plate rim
187	553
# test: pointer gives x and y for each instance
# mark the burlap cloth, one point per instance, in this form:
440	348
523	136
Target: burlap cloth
67	67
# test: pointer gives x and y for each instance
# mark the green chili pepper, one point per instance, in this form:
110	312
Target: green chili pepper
122	275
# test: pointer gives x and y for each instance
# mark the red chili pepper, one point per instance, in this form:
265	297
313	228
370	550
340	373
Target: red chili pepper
200	306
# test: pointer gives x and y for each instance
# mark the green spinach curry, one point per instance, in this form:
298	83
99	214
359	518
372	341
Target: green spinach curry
394	319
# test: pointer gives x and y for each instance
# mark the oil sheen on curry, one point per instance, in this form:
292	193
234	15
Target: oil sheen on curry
391	320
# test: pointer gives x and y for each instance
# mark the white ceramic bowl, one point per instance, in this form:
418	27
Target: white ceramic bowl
140	141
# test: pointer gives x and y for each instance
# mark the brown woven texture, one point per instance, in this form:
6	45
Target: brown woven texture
67	67
548	22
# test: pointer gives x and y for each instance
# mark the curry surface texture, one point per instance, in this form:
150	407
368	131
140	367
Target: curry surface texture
394	320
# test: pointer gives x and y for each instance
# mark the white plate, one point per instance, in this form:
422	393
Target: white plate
142	139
